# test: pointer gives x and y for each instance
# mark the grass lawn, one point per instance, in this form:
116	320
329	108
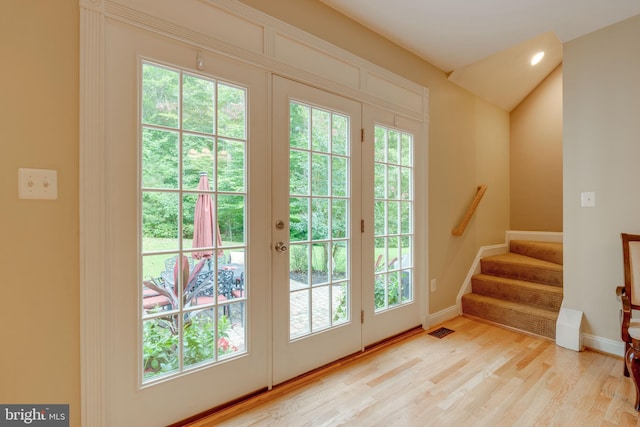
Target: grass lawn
153	265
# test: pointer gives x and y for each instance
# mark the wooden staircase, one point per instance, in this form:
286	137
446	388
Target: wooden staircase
521	289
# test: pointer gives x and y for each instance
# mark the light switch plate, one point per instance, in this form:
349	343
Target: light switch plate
588	199
37	184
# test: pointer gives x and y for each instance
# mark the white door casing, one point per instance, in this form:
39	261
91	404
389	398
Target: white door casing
235	31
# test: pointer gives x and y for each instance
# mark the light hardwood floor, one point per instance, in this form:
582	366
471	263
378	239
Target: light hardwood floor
480	375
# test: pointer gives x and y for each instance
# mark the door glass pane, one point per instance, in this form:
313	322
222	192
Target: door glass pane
339	177
393	218
339	219
320	130
320	264
299	123
197	157
199	337
160	346
340	313
160	215
299	172
198	110
160	96
299	261
319	219
160	158
320	175
299	311
231	165
232	111
340	135
193	214
298	219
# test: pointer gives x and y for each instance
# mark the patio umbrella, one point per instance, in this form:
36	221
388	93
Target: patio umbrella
203	227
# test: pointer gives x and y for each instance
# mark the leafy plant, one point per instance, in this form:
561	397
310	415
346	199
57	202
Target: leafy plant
160	345
386	296
161	336
340	312
199	337
161	340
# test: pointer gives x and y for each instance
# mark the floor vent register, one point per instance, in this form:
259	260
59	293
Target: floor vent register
441	332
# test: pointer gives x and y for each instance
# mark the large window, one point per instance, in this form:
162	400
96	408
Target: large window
193	142
393	217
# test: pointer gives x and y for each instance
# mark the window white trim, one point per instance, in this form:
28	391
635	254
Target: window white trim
226	27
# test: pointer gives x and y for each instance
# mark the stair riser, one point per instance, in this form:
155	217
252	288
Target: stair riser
530	274
514	319
543	299
546	251
521	289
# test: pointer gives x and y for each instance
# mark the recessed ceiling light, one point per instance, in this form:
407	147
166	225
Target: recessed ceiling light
537	58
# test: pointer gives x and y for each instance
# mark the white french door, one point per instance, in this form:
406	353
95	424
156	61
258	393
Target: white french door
187	325
391	238
316	233
344	237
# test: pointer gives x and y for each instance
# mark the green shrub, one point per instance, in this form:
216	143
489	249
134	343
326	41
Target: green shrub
161	340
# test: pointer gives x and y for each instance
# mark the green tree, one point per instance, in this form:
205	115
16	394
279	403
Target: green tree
208	107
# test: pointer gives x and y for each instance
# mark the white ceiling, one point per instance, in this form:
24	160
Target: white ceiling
485	46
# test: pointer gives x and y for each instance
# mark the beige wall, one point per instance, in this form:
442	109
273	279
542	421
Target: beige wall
601	152
468	144
39	360
536	158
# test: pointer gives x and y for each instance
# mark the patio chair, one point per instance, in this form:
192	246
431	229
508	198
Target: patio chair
225	283
153	299
231	287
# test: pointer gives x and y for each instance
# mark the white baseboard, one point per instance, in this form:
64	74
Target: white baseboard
592	342
442	316
604	345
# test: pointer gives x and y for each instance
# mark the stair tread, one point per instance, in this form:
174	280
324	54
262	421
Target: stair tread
522	267
536	294
523	260
549	251
515	306
542	287
521	289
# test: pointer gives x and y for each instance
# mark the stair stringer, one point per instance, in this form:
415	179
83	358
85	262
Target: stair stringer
485	251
